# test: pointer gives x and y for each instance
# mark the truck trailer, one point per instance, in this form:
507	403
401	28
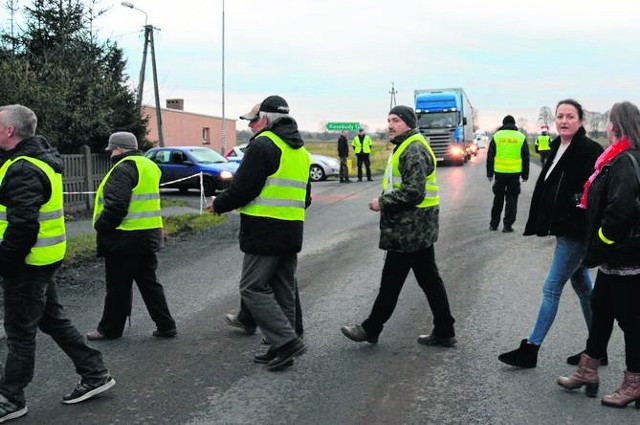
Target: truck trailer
445	118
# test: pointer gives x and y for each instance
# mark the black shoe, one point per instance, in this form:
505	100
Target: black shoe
575	359
526	356
85	391
171	333
369	179
444	341
507	229
348	181
286	353
232	320
9	410
358	334
493	228
359	180
266	357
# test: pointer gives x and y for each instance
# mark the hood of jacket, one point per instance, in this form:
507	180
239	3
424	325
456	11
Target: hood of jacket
37	147
287	128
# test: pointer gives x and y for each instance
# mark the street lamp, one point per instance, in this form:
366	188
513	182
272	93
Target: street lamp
148	41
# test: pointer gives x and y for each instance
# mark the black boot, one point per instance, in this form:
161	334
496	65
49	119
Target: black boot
526	356
575	359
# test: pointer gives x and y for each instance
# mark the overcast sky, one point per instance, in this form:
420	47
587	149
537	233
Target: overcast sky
335	60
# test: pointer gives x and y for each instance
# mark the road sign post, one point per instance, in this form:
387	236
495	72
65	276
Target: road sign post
349	126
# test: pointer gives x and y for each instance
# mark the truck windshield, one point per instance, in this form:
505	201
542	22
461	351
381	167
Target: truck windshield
438	120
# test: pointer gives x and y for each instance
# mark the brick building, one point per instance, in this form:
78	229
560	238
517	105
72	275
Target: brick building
181	128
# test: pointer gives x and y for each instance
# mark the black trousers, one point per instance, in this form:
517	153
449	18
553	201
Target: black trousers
121	271
31	302
506	191
394	274
616	297
363	159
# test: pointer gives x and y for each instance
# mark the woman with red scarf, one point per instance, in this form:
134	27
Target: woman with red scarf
611	197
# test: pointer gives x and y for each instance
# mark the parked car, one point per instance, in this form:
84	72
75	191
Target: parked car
322	166
186	162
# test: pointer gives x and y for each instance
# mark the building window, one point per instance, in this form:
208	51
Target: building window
205	136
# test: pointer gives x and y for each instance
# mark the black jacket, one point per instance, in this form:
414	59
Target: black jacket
612	204
491	156
117	195
554	209
343	146
25	188
263	235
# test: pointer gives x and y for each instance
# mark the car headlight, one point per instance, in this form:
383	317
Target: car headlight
225	175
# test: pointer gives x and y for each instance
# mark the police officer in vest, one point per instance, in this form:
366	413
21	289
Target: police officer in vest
271	190
508	160
362	148
542	144
32	247
409	213
128	222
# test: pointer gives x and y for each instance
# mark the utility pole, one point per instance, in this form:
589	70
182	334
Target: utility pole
393	92
149	30
223	133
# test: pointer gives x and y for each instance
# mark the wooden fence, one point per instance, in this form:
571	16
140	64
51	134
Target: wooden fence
81	176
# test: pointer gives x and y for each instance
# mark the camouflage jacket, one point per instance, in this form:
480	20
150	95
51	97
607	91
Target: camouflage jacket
403	227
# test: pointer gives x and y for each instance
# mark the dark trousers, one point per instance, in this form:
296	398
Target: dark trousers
31	302
363	158
543	157
616	297
344	169
394	273
506	191
121	271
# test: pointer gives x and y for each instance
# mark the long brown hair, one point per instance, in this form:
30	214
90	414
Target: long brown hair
625	118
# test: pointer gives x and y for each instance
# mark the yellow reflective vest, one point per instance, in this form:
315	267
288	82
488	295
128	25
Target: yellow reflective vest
543	143
393	177
364	147
508	151
51	242
144	210
284	193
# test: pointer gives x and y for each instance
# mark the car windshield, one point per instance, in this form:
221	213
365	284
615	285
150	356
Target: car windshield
207	156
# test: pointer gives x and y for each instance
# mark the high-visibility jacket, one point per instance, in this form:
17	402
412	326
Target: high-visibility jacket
364	146
393	176
543	142
144	210
51	242
284	193
508	147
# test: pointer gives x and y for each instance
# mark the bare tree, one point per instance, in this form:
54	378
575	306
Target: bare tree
545	117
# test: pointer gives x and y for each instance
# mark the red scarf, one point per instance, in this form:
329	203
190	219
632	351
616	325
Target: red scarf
605	157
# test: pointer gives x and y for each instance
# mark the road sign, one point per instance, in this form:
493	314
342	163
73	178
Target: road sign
351	126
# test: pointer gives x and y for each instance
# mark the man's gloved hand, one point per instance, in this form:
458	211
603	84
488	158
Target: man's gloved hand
490	179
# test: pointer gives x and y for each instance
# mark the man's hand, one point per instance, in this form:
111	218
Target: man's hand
374	204
490	179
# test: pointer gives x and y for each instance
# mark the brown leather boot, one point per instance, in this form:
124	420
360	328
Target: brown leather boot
629	391
586	374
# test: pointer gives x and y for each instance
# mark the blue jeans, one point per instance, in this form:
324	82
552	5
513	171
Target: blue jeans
565	265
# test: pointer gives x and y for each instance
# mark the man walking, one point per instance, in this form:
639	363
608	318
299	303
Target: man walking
128	220
542	144
32	247
409	212
343	154
508	160
271	189
362	148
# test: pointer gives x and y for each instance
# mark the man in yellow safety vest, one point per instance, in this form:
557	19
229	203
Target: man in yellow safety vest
542	144
508	160
362	148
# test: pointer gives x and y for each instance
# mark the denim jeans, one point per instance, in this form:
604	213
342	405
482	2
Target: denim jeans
31	302
565	265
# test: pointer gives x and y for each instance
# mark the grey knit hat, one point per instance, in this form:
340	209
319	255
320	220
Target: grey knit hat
406	114
122	140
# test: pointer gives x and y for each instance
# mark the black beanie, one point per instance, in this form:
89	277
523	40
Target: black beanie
406	114
508	120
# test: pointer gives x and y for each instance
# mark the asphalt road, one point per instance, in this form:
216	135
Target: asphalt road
206	375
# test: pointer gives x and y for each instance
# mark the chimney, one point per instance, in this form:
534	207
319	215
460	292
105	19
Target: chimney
175	104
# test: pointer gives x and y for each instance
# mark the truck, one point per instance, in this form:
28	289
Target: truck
445	118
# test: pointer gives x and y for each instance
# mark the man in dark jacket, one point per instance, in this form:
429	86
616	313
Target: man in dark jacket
128	220
343	154
409	213
508	159
271	189
32	247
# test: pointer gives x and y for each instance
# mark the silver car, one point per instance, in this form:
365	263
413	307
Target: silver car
322	166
